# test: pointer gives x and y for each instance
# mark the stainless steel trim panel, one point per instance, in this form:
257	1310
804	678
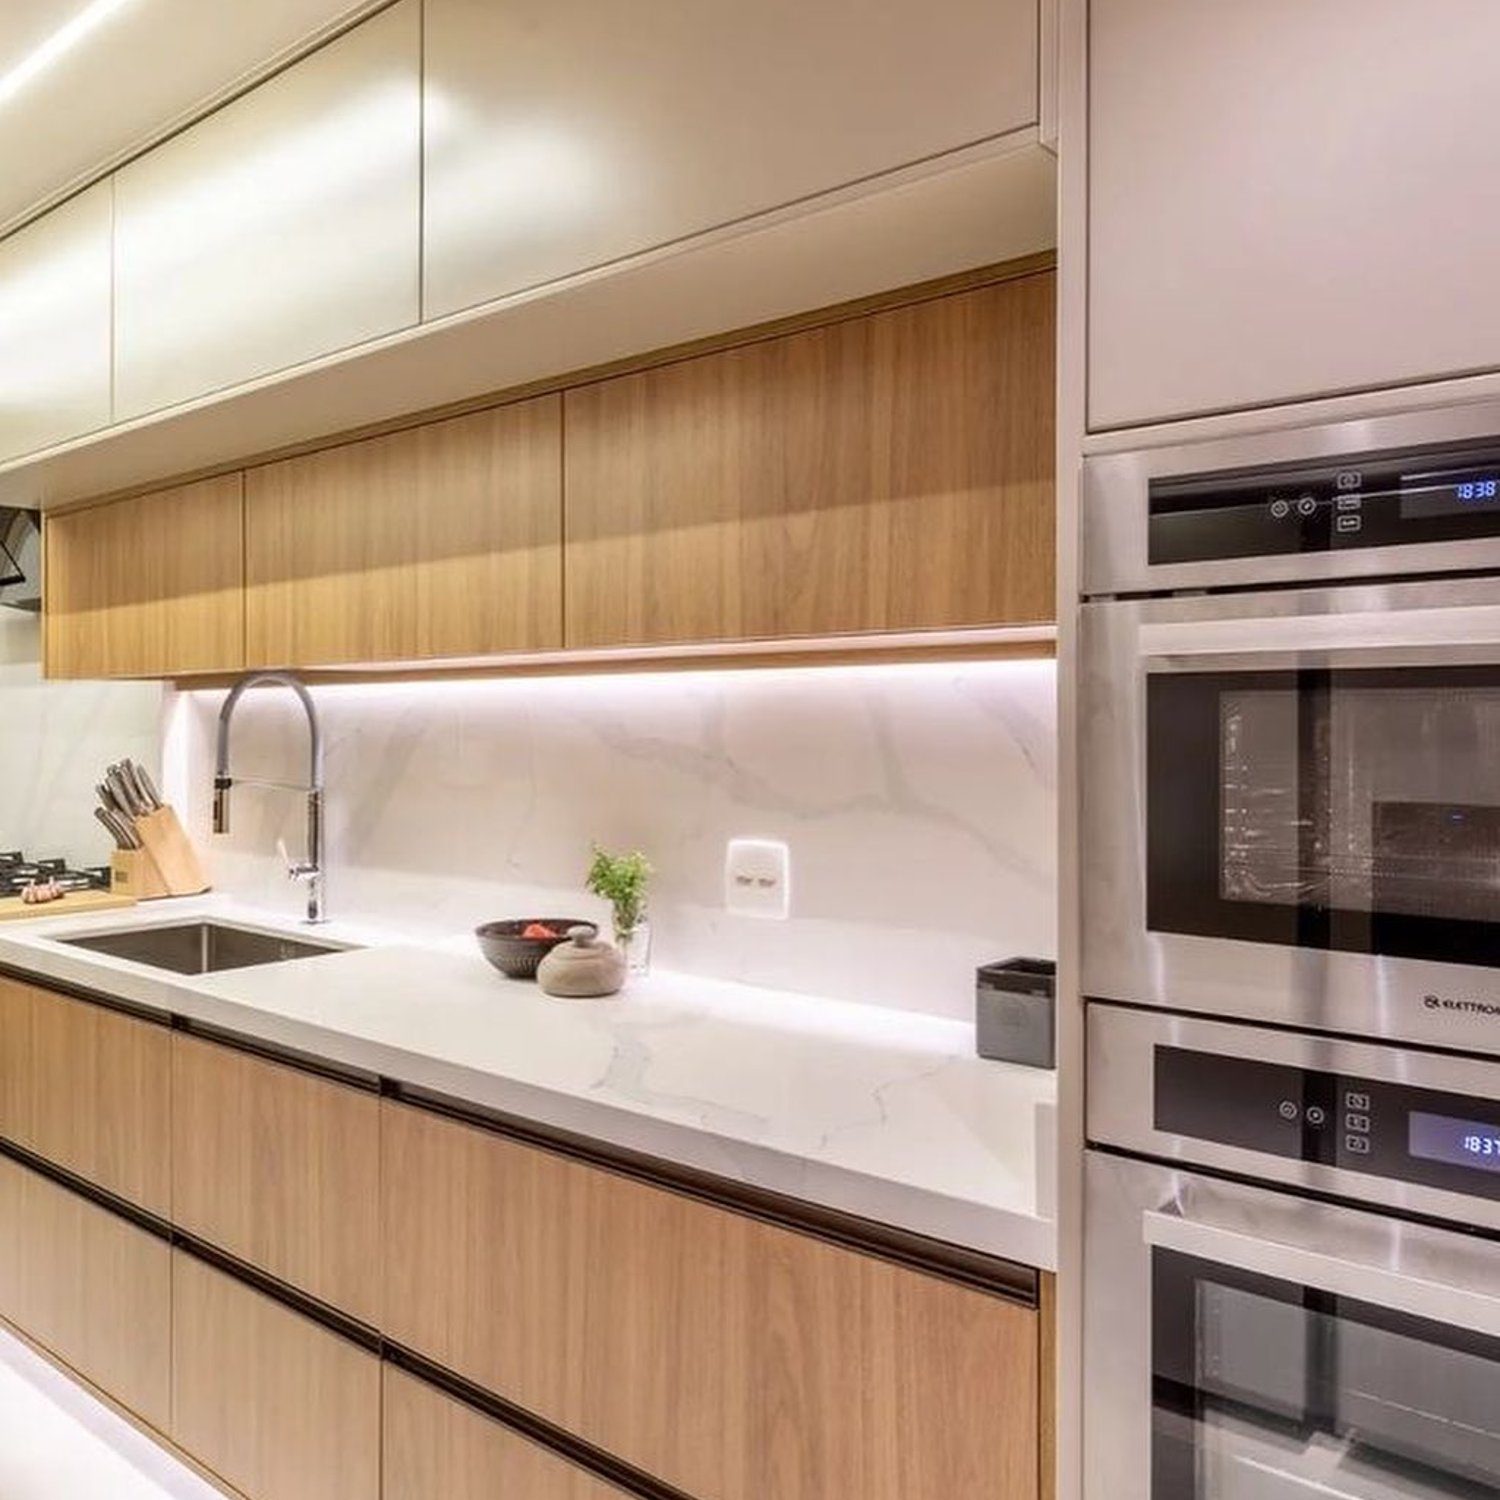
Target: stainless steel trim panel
1116	515
1445	623
1121	1102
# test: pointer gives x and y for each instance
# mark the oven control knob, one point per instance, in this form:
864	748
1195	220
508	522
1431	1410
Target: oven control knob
1307	506
1288	1110
1316	1116
1281	509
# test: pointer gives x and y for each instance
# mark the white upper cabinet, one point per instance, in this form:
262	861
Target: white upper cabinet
283	227
1288	199
54	325
565	134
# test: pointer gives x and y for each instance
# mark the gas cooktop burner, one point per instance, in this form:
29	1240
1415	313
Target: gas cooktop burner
17	872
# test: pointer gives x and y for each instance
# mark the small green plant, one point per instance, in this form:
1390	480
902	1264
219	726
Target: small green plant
621	879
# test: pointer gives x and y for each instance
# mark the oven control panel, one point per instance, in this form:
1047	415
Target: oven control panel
1379	500
1441	1140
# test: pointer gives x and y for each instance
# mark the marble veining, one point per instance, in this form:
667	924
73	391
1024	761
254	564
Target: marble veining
919	802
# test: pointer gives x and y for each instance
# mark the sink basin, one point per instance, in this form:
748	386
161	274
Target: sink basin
202	947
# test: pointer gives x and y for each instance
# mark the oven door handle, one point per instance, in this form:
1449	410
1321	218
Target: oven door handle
1327	1271
1355	634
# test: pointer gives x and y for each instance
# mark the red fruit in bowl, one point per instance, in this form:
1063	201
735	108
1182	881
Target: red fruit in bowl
538	930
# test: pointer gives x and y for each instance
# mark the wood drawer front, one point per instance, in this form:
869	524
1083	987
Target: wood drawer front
889	473
89	1286
267	1399
436	1448
279	1168
15	1061
441	541
730	1358
88	1089
148	587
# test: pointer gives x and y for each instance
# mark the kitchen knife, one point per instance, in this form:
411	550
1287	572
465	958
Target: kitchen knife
119	830
132	779
116	782
103	817
107	799
148	786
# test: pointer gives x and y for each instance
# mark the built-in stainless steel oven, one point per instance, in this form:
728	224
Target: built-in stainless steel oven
1291	807
1290	794
1292	1278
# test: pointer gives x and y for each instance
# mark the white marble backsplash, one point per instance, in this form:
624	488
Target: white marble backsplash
919	802
56	738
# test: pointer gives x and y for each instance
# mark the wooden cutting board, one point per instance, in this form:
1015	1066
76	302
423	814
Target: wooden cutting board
74	904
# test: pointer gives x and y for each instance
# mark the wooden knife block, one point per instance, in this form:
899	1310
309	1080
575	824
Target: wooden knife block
165	865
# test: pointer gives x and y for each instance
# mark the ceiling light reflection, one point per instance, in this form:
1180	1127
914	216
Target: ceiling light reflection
62	41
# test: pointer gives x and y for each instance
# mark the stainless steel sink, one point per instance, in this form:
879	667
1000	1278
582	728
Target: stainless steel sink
203	947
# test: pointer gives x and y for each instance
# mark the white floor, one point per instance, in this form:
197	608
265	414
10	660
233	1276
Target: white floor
56	1443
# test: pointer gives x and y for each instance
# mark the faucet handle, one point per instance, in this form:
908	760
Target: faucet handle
295	869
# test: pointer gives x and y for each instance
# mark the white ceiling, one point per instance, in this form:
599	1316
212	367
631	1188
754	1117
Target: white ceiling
148	65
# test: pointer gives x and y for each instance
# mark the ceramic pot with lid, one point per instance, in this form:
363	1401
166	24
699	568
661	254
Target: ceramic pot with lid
582	968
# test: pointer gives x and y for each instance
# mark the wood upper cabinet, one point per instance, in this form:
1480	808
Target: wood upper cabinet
444	540
436	1448
148	587
88	1089
892	472
88	1286
266	1398
730	1358
279	1168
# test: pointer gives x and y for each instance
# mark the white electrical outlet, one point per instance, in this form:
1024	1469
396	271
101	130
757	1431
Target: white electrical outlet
758	878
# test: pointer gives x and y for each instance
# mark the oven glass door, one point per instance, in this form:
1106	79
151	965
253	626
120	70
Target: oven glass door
1266	1390
1353	809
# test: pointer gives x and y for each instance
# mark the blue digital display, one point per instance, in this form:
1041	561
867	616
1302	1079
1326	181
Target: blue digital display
1460	1143
1448	493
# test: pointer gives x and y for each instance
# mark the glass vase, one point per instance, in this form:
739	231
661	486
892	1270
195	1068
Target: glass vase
635	943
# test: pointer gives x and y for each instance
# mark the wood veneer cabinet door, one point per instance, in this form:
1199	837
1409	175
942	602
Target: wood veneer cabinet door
440	541
892	472
269	1400
15	1060
89	1286
730	1358
149	587
100	1097
436	1448
279	1168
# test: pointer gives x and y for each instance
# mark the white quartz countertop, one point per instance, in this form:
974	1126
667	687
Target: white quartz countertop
885	1114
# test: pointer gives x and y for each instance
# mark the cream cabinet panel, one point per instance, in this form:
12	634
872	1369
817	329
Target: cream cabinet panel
284	227
54	325
563	134
1288	200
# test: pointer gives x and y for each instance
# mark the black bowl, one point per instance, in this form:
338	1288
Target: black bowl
517	957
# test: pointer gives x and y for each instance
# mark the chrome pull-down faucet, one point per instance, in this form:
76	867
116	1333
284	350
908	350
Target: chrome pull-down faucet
310	872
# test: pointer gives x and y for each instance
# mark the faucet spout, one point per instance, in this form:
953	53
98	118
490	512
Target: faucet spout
313	870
